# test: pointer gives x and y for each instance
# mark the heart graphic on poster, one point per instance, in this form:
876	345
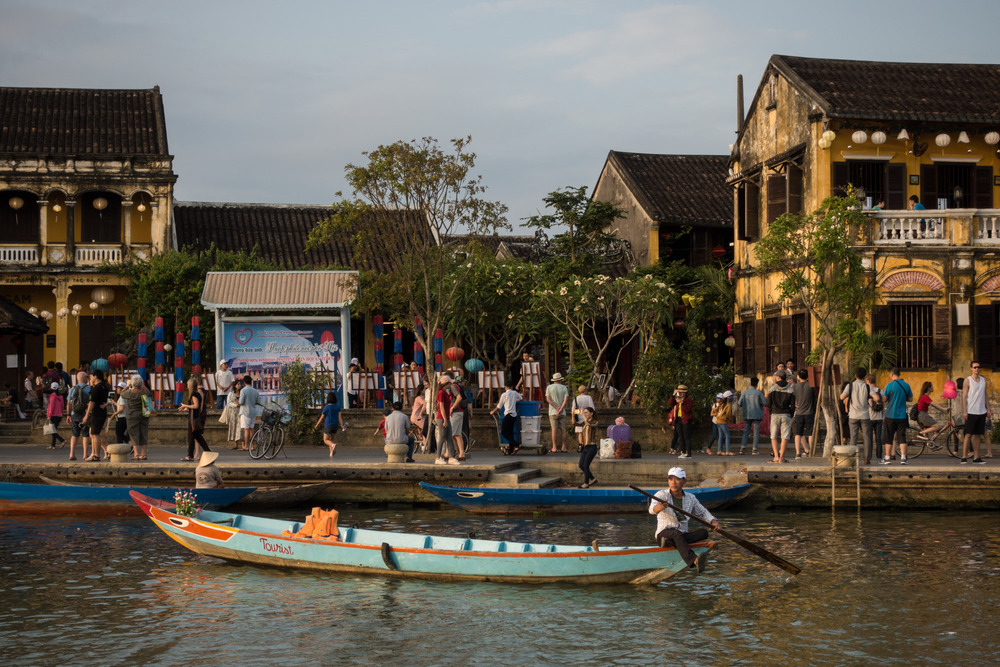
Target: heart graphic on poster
243	336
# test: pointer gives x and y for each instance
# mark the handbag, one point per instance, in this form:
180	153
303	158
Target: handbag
49	429
607	448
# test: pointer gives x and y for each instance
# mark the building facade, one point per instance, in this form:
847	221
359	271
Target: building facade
891	131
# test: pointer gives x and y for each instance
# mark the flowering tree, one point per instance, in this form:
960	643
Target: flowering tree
595	311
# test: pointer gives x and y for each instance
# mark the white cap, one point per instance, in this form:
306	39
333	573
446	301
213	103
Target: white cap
55	385
727	394
121	385
354	360
677	472
719	396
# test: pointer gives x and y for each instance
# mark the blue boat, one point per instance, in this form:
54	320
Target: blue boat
291	544
74	498
486	500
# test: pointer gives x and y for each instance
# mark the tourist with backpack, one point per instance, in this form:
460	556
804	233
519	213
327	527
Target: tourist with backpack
138	409
97	414
76	408
196	419
876	412
856	400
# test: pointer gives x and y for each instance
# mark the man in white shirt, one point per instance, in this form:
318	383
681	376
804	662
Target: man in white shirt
224	381
977	410
508	401
249	398
673	529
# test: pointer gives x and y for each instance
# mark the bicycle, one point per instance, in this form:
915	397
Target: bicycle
948	439
269	438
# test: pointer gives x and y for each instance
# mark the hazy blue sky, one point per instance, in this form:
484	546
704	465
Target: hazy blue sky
267	101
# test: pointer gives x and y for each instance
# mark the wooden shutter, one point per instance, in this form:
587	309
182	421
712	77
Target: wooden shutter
986	335
752	211
786	350
983	184
738	348
776	194
941	356
895	190
841	178
881	319
760	345
793	177
741	212
928	185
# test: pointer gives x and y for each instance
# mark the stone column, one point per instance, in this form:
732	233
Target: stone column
62	291
43	232
127	215
70	232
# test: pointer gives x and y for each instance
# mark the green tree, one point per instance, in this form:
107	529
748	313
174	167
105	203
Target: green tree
587	224
304	392
816	263
438	188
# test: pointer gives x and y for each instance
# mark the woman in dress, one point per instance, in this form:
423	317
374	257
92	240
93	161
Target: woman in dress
232	415
196	419
136	422
417	414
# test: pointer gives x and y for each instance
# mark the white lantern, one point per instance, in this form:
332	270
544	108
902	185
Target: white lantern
103	295
45	315
903	135
963	138
94	305
100	203
830	135
878	137
33	310
15	203
168	347
77	307
859	137
993	138
942	140
824	143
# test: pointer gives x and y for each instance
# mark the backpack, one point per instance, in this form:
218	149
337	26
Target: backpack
913	412
875	404
63	389
78	400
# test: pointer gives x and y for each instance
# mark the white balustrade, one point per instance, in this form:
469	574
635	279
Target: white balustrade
988	228
913	226
98	255
18	255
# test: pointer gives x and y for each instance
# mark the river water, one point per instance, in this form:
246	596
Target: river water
887	587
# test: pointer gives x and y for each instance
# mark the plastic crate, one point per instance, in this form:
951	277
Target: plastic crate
529	408
531	423
530	438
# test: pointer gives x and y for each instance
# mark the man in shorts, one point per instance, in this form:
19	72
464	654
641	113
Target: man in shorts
76	409
781	401
249	398
977	410
802	419
557	395
895	396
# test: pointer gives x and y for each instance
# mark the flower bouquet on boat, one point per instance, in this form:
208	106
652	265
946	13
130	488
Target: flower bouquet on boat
318	543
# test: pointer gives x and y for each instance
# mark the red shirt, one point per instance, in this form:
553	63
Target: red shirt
923	402
444	403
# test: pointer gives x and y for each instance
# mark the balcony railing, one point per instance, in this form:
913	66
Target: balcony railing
91	255
959	227
13	254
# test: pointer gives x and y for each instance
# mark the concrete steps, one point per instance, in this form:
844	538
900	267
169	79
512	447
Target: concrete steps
15	433
518	476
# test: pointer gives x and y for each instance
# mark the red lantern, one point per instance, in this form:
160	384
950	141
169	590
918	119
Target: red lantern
117	360
455	353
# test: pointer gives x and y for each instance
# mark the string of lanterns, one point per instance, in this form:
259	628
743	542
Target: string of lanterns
879	137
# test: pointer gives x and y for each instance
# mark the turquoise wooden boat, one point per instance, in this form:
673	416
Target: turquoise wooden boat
261	541
487	500
76	498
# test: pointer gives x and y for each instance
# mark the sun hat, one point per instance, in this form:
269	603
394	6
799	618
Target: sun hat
677	472
556	377
682	387
121	385
208	458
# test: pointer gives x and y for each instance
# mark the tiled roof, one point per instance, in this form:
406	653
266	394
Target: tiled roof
679	189
933	92
280	232
278	290
77	122
16	320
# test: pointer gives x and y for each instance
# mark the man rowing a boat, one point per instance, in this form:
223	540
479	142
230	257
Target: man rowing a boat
671	530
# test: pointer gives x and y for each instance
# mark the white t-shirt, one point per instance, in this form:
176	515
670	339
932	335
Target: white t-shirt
976	398
224	379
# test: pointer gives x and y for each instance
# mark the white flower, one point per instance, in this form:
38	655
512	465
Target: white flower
583	299
499	291
469	265
510	317
661	285
562	291
577	308
513	292
655	300
576	282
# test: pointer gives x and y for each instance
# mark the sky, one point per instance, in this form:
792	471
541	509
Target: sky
267	102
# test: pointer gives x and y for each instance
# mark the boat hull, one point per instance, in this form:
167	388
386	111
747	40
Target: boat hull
568	501
77	499
258	541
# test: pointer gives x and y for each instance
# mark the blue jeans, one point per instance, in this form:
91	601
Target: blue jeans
220	401
747	425
722	432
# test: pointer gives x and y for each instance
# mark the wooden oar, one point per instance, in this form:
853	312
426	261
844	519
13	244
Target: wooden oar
746	544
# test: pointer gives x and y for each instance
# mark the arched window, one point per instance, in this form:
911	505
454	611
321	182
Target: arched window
100	218
19	217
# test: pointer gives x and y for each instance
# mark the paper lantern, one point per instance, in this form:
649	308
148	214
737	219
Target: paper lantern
730	341
117	360
859	137
474	365
99	365
830	135
100	203
103	295
878	137
942	140
992	138
963	137
94	305
45	315
15	203
825	143
455	353
950	390
903	135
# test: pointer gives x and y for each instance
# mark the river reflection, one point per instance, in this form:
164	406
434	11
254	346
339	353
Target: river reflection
888	587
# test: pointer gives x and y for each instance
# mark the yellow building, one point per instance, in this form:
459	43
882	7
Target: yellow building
893	131
86	180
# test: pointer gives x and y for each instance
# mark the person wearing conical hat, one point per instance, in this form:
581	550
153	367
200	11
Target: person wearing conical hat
207	474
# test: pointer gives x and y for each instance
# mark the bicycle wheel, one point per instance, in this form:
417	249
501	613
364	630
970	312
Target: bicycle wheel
259	442
915	447
954	444
277	442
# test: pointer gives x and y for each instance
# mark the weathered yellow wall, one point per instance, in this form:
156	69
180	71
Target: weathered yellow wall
636	227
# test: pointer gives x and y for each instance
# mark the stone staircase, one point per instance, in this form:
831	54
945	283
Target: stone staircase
517	475
15	433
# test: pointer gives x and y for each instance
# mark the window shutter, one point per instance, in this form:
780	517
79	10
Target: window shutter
928	185
738	348
760	345
793	176
895	196
986	335
741	212
841	177
881	320
776	193
942	336
785	347
752	211
983	182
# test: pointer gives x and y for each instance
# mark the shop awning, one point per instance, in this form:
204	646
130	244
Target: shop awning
279	290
